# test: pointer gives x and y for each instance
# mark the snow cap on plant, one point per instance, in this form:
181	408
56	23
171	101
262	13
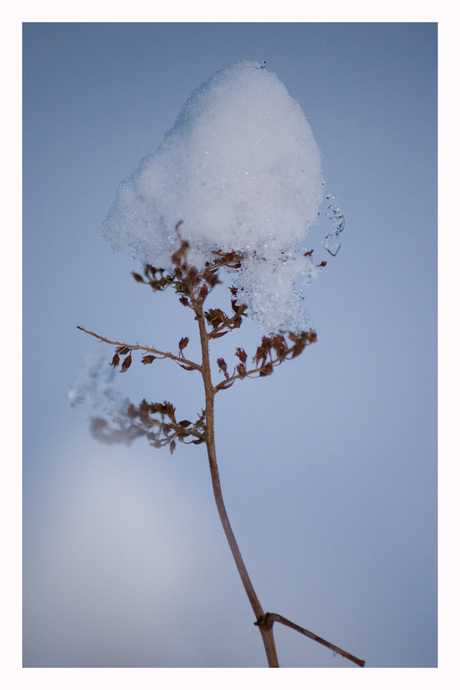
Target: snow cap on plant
242	171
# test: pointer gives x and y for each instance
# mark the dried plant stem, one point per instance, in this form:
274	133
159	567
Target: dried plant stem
143	348
194	288
266	629
336	650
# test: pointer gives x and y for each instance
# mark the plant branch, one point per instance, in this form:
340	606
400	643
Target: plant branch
275	617
180	359
266	631
246	373
272	352
193	288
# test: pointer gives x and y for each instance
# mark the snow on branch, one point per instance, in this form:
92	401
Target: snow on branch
241	168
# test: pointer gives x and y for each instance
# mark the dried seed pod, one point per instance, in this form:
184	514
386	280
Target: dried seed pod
241	354
266	370
221	363
126	364
241	369
148	359
183	343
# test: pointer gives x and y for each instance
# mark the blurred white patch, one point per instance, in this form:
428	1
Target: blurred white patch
122	562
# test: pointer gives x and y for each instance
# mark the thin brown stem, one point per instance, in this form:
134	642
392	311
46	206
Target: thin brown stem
180	359
193	294
265	629
250	373
275	617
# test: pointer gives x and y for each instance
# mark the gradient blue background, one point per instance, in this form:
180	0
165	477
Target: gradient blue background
329	466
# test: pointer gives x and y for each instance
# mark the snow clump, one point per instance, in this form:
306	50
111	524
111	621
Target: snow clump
242	171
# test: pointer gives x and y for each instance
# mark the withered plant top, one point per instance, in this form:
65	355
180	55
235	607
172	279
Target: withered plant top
157	421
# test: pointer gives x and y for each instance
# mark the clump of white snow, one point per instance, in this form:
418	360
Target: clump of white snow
95	389
242	171
106	408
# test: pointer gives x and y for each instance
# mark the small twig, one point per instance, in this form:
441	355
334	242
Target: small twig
250	373
264	358
270	618
171	426
180	359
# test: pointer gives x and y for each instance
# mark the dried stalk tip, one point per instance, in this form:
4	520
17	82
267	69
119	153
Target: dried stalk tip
157	421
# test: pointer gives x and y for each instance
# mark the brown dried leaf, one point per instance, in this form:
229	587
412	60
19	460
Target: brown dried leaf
203	292
156	407
144	409
298	348
215	317
222	364
241	369
280	347
148	359
218	335
169	409
132	412
266	370
115	361
178	255
126	364
241	354
263	350
192	274
211	278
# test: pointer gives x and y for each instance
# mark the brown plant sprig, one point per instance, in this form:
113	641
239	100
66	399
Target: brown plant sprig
158	422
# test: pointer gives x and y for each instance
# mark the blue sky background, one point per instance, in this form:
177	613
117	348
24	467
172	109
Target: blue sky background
329	466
